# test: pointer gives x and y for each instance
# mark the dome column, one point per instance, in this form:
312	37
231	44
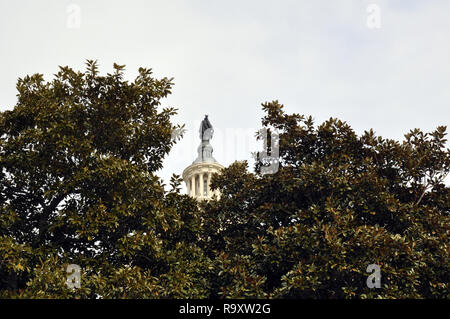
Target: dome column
193	185
201	185
208	189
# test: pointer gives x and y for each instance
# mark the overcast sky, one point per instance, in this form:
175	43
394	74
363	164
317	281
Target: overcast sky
335	58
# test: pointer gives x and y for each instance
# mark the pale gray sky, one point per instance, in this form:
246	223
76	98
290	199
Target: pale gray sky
318	58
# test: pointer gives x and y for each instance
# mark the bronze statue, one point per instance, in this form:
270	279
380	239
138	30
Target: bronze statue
206	130
205	149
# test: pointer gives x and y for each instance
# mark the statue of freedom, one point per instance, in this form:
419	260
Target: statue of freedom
206	130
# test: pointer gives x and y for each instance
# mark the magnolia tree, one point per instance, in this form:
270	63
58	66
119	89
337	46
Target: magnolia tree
338	206
78	157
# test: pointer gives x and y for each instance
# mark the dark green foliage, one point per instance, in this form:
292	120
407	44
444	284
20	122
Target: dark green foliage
338	203
78	158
